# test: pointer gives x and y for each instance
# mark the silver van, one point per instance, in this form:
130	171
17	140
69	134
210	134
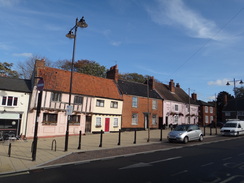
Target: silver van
233	128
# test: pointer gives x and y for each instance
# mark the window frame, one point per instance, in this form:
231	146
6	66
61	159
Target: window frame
154	104
135	102
116	122
56	96
99	102
47	118
98	122
78	99
114	104
9	101
134	119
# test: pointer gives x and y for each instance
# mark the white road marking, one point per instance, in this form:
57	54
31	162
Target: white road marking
227	158
178	173
142	164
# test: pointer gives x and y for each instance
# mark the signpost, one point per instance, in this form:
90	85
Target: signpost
40	86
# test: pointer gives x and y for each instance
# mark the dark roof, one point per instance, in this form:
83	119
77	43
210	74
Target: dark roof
15	84
137	89
235	104
202	103
179	95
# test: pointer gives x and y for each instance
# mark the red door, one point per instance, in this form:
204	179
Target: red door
107	123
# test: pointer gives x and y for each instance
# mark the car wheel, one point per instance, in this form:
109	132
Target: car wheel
185	140
201	138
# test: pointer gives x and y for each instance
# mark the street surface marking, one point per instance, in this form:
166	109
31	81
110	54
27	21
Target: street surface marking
207	164
178	173
142	164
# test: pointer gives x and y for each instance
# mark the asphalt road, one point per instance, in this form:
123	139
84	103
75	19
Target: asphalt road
216	162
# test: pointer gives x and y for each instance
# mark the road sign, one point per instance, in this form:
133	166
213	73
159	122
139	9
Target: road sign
69	110
40	85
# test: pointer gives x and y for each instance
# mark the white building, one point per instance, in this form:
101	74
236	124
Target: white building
14	102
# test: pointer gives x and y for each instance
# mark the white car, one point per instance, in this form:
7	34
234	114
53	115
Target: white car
185	133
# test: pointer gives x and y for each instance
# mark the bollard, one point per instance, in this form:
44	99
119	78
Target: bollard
79	145
119	137
204	130
134	138
54	142
161	134
210	130
9	150
216	130
101	139
32	146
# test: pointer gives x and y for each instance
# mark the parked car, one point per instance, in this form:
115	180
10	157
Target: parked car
233	128
185	133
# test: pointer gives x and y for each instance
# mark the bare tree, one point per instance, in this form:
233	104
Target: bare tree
25	68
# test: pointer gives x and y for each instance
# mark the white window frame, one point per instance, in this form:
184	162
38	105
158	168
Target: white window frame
116	122
154	104
135	102
134	118
206	119
98	121
211	109
154	119
206	109
14	102
176	107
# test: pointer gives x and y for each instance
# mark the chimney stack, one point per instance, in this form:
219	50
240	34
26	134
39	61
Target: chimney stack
194	96
113	73
172	85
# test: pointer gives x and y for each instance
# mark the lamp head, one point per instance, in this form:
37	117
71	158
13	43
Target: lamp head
70	35
241	82
227	83
82	23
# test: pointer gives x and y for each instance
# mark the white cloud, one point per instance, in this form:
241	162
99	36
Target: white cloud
23	55
175	12
218	82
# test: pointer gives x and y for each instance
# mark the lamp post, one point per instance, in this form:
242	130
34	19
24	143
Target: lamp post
234	82
82	24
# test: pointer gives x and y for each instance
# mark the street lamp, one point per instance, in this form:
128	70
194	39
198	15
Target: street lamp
234	81
82	24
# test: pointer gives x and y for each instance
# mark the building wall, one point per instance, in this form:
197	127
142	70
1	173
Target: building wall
106	112
208	114
57	108
180	114
15	113
142	108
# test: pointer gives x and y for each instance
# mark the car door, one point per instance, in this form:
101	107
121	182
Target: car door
191	133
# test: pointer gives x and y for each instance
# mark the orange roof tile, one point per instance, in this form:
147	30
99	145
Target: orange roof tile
59	80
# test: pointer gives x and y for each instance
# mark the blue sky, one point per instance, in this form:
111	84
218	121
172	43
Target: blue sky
197	43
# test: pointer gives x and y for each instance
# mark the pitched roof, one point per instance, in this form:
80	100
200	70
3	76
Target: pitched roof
178	96
235	104
137	89
83	84
15	84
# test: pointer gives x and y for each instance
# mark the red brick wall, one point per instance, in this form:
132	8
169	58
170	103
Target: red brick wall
140	110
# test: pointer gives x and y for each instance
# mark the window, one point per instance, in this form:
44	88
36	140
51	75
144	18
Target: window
114	104
154	104
98	122
154	119
78	100
134	102
100	103
75	119
50	119
176	118
211	109
176	107
56	96
206	109
206	119
116	122
9	101
211	118
134	119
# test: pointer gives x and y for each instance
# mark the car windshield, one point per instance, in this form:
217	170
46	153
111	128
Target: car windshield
231	125
181	128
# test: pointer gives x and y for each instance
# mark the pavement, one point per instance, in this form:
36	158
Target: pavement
50	151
